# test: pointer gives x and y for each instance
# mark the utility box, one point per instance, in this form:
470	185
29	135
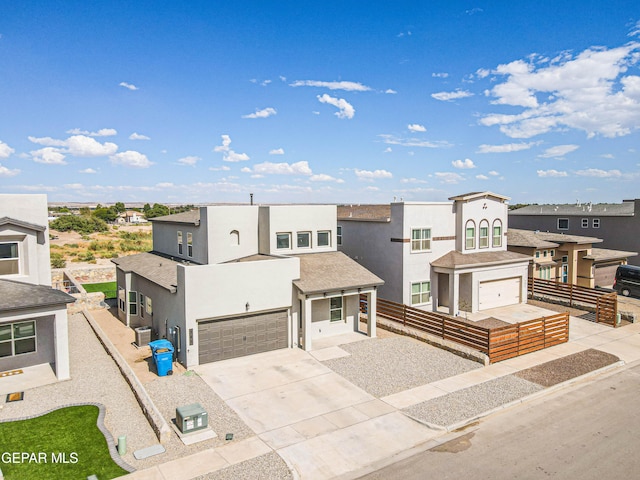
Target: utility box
190	418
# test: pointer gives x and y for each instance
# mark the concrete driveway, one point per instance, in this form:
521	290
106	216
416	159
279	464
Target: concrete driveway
322	425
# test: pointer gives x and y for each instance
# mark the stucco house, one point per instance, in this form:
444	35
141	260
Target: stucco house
438	255
227	281
567	258
617	224
33	316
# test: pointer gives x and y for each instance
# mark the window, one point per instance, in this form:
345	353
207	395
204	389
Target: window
545	273
9	260
420	293
335	309
141	305
149	306
470	236
304	239
484	234
552	253
339	235
537	253
283	240
563	224
121	299
133	305
190	244
585	223
324	238
544	253
420	239
497	233
596	223
180	242
234	238
17	338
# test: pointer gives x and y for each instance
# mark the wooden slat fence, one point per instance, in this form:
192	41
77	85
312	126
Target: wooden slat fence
607	309
497	343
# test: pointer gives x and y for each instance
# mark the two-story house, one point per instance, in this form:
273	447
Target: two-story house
617	224
227	281
567	258
438	255
33	316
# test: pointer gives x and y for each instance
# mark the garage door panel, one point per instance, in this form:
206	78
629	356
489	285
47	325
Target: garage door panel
499	293
605	275
237	337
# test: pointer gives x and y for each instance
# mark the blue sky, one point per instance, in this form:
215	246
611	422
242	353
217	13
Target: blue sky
332	101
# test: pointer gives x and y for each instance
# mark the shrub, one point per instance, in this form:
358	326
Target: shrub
57	260
79	223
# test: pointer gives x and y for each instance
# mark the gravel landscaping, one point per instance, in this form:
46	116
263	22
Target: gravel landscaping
384	366
269	466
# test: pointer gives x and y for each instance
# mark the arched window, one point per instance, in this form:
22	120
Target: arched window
484	234
497	233
470	235
234	237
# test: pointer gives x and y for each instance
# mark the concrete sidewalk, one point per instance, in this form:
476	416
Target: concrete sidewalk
350	430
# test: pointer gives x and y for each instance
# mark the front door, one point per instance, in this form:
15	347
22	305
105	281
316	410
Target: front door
565	273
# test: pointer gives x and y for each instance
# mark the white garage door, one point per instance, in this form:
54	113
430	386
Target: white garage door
499	293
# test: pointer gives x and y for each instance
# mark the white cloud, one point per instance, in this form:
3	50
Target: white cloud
390	91
131	158
47	141
387	150
482	72
128	85
551	173
447	96
269	168
596	172
558	151
49	156
415	127
590	91
88	170
346	110
103	132
191	160
264	113
322	177
371	188
6	172
412	180
412	142
222	168
482	177
372	175
229	155
608	156
276	151
5	150
137	136
493	173
440	75
449	177
466	163
348	86
82	146
506	148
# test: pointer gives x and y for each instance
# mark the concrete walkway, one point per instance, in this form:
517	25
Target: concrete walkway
325	427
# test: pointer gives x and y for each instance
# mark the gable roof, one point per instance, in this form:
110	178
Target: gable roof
331	271
155	268
20	223
455	259
624	209
473	195
604	254
381	213
191	217
531	238
17	295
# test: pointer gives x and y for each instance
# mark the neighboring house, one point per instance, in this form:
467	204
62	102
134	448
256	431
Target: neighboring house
617	224
567	258
228	281
439	254
130	216
33	316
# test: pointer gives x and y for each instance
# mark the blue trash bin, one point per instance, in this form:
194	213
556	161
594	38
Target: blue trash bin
162	351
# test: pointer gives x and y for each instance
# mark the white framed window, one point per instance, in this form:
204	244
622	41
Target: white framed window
17	338
484	234
565	259
497	233
141	296
304	239
470	235
335	309
179	242
420	293
552	253
596	223
324	238
420	239
283	241
544	253
133	303
585	223
9	258
189	244
122	304
563	224
339	235
537	253
545	273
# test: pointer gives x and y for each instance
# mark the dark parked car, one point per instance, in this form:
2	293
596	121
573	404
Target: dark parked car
627	281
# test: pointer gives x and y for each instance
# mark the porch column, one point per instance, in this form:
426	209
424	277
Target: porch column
454	294
306	324
371	313
435	300
61	344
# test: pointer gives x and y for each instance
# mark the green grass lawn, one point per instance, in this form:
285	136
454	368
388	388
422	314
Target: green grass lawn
63	444
109	288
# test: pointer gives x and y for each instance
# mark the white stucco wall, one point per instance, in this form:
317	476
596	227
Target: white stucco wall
322	326
220	221
479	209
